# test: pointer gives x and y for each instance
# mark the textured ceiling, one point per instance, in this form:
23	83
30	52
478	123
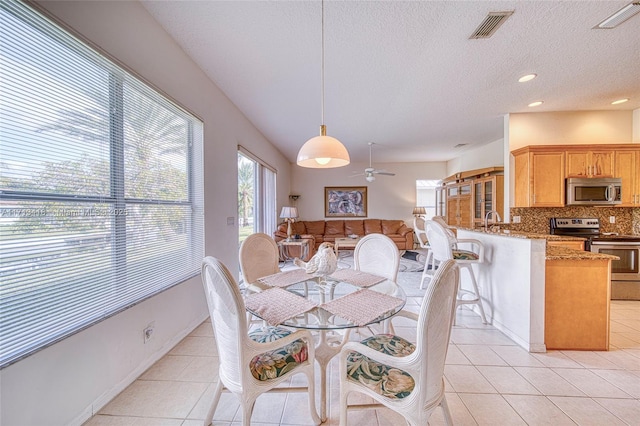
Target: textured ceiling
405	75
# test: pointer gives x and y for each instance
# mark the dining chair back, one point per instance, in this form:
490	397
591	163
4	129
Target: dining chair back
259	257
417	369
421	231
246	365
444	248
377	254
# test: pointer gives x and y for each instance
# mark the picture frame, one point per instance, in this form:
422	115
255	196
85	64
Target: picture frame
345	201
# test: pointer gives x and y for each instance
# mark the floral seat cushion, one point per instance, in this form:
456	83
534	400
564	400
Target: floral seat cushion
464	255
383	379
272	364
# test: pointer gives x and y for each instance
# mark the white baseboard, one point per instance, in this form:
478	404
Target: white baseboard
109	394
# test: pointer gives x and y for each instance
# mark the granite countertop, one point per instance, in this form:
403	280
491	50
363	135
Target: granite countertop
552	252
526	235
562	253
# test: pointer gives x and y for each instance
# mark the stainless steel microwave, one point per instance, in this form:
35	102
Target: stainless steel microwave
593	191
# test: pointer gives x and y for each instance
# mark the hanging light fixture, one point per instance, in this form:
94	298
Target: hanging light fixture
323	152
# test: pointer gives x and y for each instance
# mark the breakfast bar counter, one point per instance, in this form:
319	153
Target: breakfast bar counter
541	295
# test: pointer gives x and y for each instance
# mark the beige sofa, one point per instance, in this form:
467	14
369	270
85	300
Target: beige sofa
328	230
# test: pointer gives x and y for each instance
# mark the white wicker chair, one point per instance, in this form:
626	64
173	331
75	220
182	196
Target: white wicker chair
419	227
407	378
259	257
444	247
377	254
242	371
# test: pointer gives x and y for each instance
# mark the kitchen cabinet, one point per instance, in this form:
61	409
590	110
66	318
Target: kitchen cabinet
459	205
627	167
488	195
589	163
575	245
577	294
539	177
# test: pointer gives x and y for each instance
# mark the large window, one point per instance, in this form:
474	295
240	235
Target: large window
426	196
101	186
256	195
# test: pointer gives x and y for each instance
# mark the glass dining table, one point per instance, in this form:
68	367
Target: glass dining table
329	306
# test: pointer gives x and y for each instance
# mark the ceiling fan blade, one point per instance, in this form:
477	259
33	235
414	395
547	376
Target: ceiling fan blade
385	173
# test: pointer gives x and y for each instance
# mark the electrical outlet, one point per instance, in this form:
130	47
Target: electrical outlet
147	333
516	219
612	219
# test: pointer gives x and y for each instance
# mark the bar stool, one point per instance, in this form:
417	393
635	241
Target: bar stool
443	249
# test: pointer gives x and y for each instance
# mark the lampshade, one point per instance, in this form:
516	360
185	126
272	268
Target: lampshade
419	211
289	213
323	152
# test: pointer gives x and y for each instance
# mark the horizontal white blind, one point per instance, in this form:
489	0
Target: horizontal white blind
101	191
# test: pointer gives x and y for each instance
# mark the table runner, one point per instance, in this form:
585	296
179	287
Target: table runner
357	278
286	278
276	305
363	306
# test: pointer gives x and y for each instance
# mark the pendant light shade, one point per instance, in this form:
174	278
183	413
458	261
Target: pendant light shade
323	152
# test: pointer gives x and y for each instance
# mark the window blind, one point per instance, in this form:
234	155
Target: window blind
101	187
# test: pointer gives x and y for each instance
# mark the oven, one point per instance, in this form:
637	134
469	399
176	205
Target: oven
625	272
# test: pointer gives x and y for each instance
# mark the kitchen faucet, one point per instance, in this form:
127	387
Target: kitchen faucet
486	218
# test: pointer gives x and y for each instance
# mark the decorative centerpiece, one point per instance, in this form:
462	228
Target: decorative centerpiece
322	264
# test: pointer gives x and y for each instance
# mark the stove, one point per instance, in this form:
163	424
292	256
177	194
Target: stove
588	228
625	272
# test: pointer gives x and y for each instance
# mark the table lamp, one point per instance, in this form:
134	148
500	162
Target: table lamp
419	211
289	214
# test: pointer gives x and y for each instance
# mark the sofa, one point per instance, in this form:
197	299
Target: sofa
320	231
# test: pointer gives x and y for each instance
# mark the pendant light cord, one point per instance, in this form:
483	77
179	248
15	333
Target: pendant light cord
322	66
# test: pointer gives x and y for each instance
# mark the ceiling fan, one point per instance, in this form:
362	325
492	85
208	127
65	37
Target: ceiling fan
370	172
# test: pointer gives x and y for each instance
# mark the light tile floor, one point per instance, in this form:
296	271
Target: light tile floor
489	381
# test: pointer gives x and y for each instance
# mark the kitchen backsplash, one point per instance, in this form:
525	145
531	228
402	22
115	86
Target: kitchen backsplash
536	219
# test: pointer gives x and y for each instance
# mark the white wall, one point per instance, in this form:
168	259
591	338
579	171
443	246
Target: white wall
389	197
569	128
67	382
636	126
489	155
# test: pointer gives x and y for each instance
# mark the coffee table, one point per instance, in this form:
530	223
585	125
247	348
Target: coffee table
345	244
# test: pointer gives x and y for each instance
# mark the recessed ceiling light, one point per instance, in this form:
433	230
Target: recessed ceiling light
536	103
619	101
527	77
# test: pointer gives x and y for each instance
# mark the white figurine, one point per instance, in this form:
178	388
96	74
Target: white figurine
323	263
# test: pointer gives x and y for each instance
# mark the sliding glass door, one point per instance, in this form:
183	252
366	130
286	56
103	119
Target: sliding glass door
256	196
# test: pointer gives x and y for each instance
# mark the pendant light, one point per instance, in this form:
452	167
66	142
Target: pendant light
323	152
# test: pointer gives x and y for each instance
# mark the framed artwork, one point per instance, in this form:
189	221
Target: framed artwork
345	201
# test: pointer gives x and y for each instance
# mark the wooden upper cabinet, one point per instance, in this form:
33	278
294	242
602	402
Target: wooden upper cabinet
589	163
627	167
459	205
539	177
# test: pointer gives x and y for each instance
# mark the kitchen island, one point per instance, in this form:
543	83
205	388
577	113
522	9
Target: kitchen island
543	296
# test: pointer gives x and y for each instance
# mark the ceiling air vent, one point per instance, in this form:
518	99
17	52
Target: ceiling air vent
490	24
620	16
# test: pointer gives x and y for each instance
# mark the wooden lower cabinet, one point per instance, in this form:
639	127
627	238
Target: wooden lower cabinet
577	297
576	245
